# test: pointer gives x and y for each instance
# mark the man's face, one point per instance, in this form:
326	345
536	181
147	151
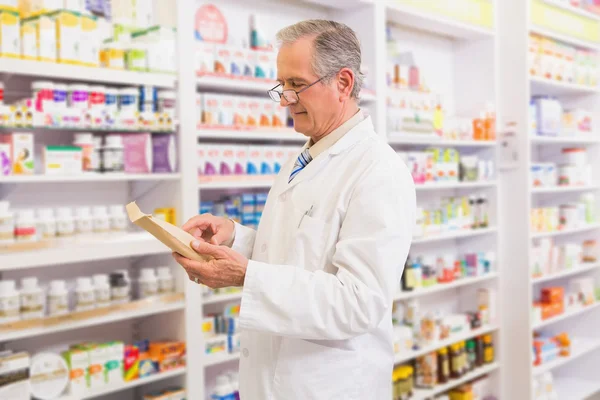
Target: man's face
317	108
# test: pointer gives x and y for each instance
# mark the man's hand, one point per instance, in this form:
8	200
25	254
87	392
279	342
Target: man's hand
228	268
211	229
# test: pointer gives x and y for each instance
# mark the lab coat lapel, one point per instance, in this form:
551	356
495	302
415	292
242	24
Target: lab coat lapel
356	134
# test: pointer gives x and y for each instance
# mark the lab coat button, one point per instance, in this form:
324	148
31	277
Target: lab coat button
245	352
263	248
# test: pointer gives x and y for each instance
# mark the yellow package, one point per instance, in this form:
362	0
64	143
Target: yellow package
112	55
89	54
46	38
28	39
68	36
10	33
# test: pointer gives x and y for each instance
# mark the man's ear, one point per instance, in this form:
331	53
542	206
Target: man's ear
345	83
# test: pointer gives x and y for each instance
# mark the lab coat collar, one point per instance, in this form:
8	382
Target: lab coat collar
355	135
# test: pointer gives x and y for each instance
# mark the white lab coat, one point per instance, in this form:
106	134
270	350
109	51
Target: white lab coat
316	311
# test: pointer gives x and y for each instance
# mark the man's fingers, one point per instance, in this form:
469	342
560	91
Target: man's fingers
201	222
207	249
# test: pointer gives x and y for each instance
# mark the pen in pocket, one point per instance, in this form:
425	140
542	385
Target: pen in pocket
305	214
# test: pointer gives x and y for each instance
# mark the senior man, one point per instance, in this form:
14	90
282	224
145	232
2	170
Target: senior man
320	273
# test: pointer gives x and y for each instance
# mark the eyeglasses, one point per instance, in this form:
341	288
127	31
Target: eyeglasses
290	95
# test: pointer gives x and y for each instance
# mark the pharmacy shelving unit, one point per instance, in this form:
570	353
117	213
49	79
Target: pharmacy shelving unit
574	375
99	253
440	40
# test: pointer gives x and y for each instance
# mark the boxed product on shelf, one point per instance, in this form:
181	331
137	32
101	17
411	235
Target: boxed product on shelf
62	160
555	60
15	375
566	216
549	258
21	152
218	111
452	214
10	32
173	393
428	270
548	117
446	164
229	160
543	387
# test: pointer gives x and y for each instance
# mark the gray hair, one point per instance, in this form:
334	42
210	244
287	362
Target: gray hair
336	47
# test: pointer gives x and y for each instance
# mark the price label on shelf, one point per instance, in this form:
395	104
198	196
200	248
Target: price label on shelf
564	22
476	12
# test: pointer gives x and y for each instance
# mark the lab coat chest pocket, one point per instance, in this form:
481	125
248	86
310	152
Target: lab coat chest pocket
310	241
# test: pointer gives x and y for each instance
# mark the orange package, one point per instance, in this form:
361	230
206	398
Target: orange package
168	355
553	295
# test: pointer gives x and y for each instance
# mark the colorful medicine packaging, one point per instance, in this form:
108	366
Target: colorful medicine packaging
138	150
63	160
226	111
68	35
22	155
5	159
164	154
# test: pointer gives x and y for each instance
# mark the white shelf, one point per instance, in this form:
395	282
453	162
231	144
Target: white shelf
91	177
440	287
564	232
222	298
543	86
40	69
396	138
409	355
95	248
217	359
575	388
454	185
92	394
565	315
424	394
579	348
459	234
235	85
563	274
565	140
368	97
572	9
91	322
48	129
563	189
564	38
255	134
236	182
414	18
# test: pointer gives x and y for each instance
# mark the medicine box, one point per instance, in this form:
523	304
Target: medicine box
14	376
89	48
63	160
5	159
28	39
68	36
204	58
46	38
10	33
164	154
137	153
78	362
168	355
22	156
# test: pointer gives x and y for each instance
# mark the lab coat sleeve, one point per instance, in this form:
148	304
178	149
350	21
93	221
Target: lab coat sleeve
243	241
373	243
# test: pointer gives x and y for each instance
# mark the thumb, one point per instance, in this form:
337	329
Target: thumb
207	249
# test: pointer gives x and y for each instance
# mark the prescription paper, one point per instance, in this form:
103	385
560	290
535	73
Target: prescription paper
173	237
